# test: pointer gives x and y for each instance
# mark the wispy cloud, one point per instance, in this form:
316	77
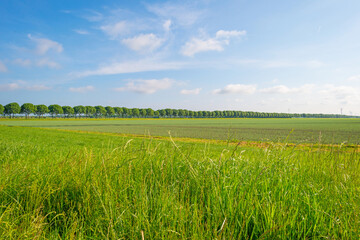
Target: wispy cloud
275	63
236	89
228	34
9	87
196	45
195	91
282	89
81	31
43	45
47	63
37	88
81	89
183	14
147	86
21	85
116	30
22	62
145	65
44	62
3	68
143	42
342	94
355	78
167	25
93	16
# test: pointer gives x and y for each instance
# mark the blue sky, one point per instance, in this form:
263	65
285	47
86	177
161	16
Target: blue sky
272	56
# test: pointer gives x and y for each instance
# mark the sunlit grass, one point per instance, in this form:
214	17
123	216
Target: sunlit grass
329	131
57	184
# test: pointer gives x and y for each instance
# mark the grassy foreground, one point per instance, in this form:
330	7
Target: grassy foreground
64	185
303	130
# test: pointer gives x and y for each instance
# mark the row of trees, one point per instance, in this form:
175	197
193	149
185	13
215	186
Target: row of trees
28	109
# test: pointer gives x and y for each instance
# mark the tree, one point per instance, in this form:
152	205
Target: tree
27	109
118	111
78	110
156	113
169	112
191	114
130	112
1	109
149	112
109	111
125	111
41	110
181	113
142	112
12	108
162	113
55	110
175	112
68	111
100	111
135	112
90	111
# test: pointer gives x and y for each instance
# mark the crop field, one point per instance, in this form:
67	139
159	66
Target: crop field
329	131
57	184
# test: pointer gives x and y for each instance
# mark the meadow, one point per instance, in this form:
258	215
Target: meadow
57	184
296	130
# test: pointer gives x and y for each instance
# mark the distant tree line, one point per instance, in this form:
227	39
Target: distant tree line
55	111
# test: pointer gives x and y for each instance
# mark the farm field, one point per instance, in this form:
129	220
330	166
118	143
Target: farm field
68	185
329	131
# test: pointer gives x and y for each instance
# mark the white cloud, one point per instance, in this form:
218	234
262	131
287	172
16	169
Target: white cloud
93	16
183	14
116	30
196	45
43	45
167	25
44	62
236	88
38	88
47	63
261	63
147	86
228	34
190	91
22	62
314	64
3	68
131	67
143	42
9	87
282	89
355	78
342	94
81	32
21	85
81	89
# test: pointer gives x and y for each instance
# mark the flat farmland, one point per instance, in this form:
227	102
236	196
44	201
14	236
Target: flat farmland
76	185
328	131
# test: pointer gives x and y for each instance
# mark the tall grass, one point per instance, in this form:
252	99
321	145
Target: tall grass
58	185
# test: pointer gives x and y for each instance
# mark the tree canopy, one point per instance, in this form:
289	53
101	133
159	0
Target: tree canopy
41	109
56	110
12	108
27	109
1	109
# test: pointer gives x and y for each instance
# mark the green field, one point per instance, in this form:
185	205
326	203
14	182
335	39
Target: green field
69	185
329	131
